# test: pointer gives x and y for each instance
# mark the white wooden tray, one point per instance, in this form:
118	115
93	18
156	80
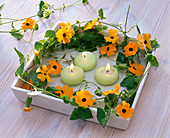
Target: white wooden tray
57	105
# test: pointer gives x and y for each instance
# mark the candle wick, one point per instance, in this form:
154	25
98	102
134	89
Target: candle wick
107	71
71	70
84	55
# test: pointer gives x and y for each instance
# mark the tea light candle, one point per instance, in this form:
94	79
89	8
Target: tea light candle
86	60
72	75
106	75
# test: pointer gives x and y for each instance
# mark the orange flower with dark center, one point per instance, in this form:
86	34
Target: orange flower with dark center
109	50
124	110
115	91
113	36
84	98
63	35
131	49
144	39
66	90
45	73
27	109
91	25
68	26
136	68
28	86
55	66
28	24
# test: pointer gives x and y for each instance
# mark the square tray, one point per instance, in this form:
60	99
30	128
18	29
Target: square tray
58	105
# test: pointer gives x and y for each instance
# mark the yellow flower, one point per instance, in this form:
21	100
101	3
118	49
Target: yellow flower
131	49
115	91
28	86
91	25
55	66
109	50
136	68
124	110
63	35
113	36
45	73
68	26
66	90
84	98
36	52
144	39
28	24
27	109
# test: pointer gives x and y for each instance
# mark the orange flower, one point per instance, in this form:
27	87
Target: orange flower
131	49
115	91
28	24
109	50
124	110
66	90
55	66
136	68
99	23
36	52
113	36
45	73
28	86
144	39
68	26
84	98
27	109
63	35
91	25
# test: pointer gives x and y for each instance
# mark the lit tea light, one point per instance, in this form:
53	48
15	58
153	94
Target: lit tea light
106	75
86	60
107	67
72	75
71	67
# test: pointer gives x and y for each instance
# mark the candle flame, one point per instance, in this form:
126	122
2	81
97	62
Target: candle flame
107	67
84	54
71	67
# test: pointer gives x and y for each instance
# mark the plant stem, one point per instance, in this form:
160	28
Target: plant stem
127	18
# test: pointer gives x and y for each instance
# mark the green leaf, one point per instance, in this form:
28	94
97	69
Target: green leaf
40	12
101	27
28	101
51	89
98	92
85	1
15	33
137	79
137	27
120	58
36	27
65	98
102	116
154	44
49	33
72	102
88	36
32	75
21	56
84	113
128	82
19	70
100	14
38	46
152	59
1	7
75	114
